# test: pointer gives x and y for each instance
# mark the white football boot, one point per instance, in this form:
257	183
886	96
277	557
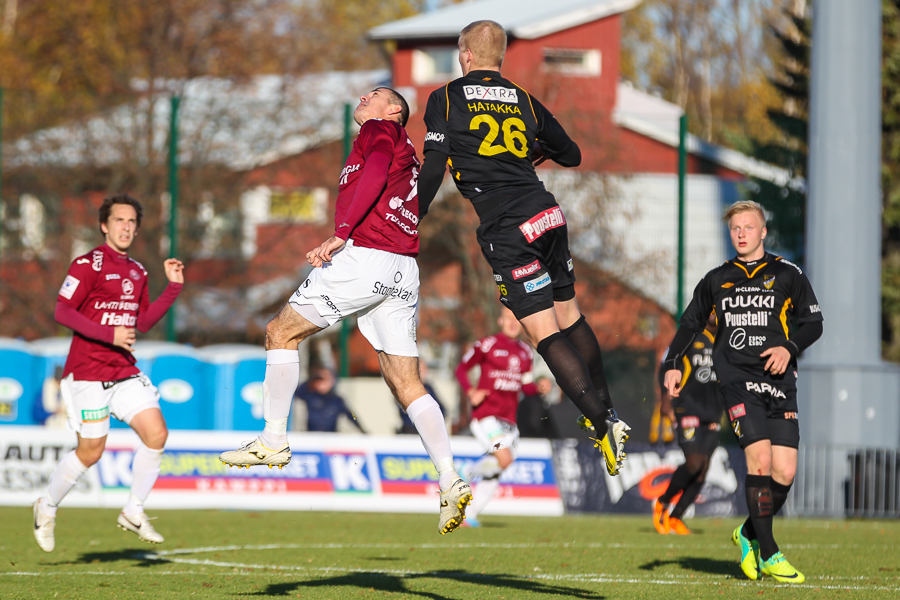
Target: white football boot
140	525
453	506
43	528
254	453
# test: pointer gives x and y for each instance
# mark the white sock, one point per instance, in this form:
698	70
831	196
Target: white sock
64	479
484	492
486	467
144	471
282	379
426	415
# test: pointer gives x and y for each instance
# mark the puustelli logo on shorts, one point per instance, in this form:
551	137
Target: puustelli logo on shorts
88	416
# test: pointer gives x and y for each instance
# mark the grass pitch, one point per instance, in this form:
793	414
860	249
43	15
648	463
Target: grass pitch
246	555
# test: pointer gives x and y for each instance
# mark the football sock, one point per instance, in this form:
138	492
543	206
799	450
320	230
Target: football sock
759	503
681	478
426	415
571	373
64	479
582	338
282	379
779	495
144	471
488	466
696	465
484	492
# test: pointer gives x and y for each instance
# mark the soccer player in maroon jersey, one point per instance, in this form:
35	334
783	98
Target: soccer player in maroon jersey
505	363
103	299
367	267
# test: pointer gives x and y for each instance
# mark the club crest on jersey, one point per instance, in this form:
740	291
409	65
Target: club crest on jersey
768	281
127	287
134	274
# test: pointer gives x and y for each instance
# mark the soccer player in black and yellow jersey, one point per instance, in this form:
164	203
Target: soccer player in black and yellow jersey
696	413
485	128
768	314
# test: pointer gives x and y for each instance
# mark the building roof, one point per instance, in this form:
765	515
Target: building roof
240	125
526	19
658	119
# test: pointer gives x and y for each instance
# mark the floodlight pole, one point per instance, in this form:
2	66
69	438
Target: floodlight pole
344	336
173	201
682	177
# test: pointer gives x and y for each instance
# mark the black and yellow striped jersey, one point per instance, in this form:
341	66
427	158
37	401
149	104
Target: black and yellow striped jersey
757	304
486	125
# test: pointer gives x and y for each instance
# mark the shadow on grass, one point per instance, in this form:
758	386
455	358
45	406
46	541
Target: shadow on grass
383	582
110	557
697	563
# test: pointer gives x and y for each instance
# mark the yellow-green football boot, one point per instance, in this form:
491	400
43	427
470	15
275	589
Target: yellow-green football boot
749	553
612	445
779	569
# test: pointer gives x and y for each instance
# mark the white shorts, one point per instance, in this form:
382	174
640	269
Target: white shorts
89	403
495	434
382	287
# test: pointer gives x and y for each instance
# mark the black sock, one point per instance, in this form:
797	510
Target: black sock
681	478
582	337
571	373
779	495
697	465
760	505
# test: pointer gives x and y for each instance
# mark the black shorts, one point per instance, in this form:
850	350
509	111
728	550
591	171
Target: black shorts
762	411
696	436
528	250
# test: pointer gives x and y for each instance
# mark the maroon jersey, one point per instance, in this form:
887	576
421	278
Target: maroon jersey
377	204
106	289
504	361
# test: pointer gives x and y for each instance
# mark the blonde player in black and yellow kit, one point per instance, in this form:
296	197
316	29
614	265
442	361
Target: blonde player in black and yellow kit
768	314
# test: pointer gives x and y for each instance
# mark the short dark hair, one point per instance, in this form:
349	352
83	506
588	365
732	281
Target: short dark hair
106	207
394	97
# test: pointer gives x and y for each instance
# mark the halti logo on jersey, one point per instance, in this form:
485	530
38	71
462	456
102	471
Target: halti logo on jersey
496	94
127	287
535	227
536	284
527	270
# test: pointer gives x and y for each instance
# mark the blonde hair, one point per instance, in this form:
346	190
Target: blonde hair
486	40
743	206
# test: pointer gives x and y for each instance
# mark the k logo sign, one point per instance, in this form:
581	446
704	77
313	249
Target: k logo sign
350	472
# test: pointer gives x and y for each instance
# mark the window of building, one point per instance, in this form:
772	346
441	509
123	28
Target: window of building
572	61
436	64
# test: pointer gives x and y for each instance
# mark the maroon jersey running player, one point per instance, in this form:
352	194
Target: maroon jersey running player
102	300
505	363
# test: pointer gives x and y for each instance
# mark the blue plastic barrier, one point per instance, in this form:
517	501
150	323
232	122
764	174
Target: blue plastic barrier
239	370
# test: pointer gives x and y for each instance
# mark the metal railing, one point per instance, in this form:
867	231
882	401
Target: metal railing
846	481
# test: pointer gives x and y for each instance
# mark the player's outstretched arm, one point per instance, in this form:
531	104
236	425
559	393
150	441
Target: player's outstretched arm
149	313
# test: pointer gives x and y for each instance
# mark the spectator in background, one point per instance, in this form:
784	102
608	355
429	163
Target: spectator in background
406	426
532	415
323	406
